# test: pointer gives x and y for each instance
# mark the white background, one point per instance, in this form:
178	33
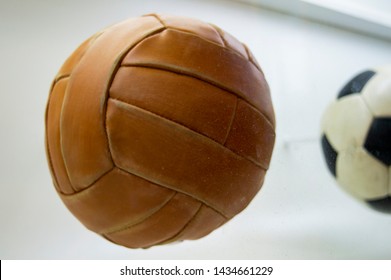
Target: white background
300	212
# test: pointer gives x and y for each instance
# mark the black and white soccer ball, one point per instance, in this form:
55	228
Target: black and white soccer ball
356	139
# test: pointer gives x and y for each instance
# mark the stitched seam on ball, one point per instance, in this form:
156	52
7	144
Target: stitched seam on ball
90	44
47	138
251	60
218	30
183	30
91	41
174	238
140	221
116	67
231	122
59	78
171	188
115	242
61	147
62	77
109	239
96	180
159	19
126	227
186	73
362	97
178	234
226	47
192	131
76	194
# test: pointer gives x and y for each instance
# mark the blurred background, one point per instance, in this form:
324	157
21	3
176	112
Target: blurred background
308	50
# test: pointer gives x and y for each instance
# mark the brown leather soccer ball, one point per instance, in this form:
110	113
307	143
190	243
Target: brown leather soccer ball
158	129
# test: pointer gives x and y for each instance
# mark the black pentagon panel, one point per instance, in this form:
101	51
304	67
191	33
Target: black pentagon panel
356	84
330	155
378	141
381	205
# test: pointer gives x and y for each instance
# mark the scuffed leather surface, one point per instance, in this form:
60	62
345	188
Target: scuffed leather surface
159	129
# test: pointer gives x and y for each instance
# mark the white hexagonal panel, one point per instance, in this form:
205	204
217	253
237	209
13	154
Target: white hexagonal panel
362	175
346	122
377	93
